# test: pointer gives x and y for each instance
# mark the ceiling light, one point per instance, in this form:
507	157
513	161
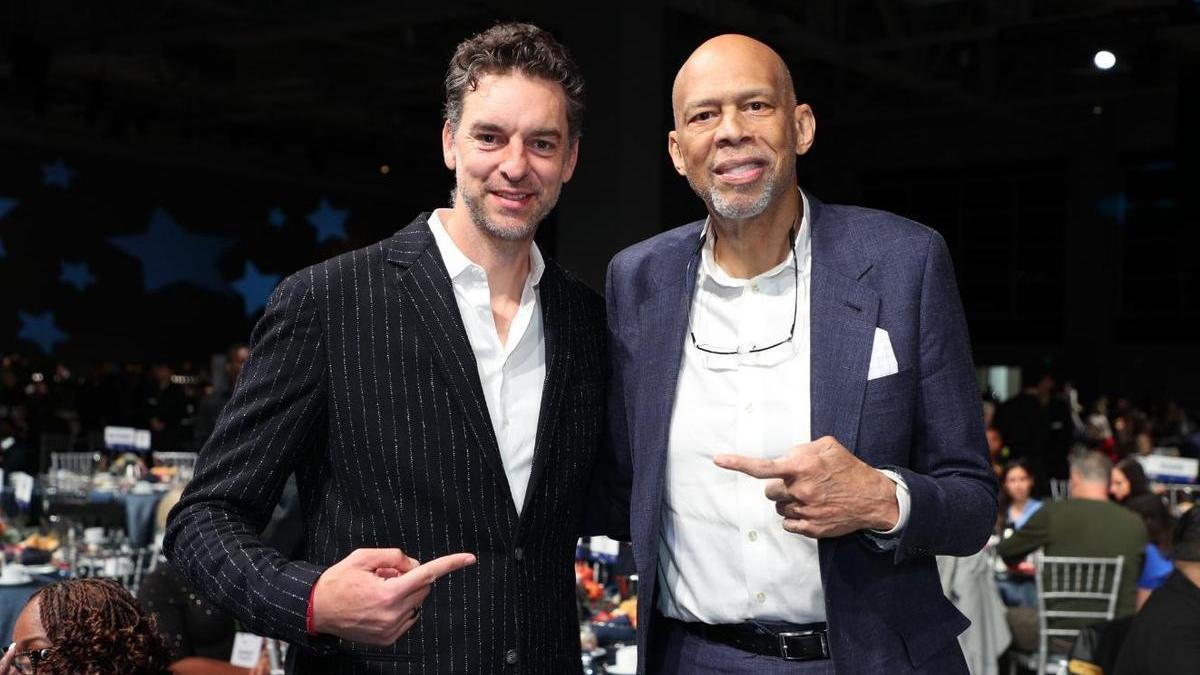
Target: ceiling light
1104	59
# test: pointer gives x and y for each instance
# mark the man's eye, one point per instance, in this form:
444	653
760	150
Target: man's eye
487	139
702	116
543	146
758	106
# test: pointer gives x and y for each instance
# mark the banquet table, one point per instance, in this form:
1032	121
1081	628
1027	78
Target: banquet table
107	508
139	512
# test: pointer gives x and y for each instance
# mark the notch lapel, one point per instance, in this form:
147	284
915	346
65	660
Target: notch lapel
424	282
554	318
663	322
843	320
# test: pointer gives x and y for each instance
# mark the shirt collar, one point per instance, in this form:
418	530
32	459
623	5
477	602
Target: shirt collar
457	262
801	251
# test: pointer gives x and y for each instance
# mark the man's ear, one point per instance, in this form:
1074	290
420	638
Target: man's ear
675	153
806	127
448	146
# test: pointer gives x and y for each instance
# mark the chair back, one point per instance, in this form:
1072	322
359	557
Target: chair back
1179	494
78	463
126	566
71	472
183	462
1060	489
1071	592
50	443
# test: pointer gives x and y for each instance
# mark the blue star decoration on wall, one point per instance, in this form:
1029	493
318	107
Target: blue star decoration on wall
78	275
40	329
1115	207
171	254
255	288
277	218
330	223
7	204
58	173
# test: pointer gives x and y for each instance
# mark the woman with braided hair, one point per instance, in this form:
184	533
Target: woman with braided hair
85	627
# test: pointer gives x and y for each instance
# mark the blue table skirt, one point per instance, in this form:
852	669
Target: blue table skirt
13	599
139	513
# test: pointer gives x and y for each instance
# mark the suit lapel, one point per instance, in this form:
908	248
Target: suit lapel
843	320
424	282
663	323
555	318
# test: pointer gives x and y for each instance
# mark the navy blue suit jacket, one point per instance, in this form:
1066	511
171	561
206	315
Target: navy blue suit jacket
885	609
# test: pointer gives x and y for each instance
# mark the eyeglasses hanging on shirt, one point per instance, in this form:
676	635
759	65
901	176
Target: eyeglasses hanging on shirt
710	348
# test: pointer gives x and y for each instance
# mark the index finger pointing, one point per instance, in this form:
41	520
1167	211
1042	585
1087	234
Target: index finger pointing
427	573
751	466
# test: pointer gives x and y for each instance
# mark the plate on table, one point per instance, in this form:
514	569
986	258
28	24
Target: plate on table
41	569
16	581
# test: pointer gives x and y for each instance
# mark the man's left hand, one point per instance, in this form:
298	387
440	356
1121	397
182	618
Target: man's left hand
822	490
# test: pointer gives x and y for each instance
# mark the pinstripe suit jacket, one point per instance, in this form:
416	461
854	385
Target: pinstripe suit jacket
362	381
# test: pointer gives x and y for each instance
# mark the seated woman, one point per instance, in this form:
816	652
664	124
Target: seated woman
199	635
85	626
1016	586
1160	526
1128	481
1017	499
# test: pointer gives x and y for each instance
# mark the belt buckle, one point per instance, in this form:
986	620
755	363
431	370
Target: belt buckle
821	636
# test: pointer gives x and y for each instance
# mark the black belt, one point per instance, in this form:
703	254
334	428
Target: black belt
799	642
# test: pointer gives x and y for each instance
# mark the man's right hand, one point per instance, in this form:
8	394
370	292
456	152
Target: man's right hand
374	595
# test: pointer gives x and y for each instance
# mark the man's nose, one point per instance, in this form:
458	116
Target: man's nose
732	129
515	164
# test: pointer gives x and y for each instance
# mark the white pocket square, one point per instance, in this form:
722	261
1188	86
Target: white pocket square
883	359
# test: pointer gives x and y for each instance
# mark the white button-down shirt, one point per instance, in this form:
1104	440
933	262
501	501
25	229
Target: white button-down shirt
512	373
723	555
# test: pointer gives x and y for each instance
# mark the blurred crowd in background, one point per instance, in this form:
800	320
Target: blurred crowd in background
178	403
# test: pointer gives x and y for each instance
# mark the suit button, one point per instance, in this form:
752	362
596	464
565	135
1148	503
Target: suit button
519	554
510	657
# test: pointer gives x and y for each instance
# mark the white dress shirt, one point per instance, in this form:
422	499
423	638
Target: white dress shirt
512	373
724	556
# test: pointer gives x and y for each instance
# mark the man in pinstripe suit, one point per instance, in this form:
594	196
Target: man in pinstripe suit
439	396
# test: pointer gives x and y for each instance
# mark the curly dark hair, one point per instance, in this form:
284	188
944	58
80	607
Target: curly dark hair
97	628
508	47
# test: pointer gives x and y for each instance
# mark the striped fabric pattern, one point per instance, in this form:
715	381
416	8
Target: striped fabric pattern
362	381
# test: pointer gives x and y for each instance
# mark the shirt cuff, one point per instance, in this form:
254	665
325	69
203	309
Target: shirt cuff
903	501
308	615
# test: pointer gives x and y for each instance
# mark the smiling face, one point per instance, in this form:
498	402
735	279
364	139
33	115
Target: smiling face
737	126
511	153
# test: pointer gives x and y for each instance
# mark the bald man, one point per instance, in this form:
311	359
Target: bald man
795	400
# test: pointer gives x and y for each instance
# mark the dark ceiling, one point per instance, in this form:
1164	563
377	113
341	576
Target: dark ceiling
337	87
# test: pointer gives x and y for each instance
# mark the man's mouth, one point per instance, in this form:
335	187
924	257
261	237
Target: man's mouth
512	199
740	171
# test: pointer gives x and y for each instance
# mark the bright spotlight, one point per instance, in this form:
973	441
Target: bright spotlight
1104	59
